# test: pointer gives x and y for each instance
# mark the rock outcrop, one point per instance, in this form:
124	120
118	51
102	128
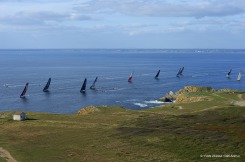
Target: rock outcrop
182	96
169	97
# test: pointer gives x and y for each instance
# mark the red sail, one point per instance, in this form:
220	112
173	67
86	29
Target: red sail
130	78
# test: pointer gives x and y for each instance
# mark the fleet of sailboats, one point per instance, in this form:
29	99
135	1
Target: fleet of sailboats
83	88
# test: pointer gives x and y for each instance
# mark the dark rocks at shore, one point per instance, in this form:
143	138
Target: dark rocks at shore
169	97
182	95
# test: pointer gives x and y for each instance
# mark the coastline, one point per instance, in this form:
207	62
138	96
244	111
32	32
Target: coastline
183	95
177	132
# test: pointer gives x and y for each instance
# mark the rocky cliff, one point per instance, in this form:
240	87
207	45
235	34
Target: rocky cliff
183	95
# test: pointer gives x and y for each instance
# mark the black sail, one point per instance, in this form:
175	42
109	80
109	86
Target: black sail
228	74
157	74
93	85
83	89
181	71
47	85
24	90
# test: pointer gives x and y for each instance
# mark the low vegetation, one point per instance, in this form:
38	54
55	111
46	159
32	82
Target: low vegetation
175	132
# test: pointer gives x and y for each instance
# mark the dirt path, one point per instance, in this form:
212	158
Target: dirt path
240	96
239	103
209	108
6	155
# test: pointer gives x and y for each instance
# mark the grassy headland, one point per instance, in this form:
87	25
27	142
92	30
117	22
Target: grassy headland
187	130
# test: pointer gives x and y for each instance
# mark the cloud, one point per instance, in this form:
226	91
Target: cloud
41	17
27	12
162	8
38	12
116	20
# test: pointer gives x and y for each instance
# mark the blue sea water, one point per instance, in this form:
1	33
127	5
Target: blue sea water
69	68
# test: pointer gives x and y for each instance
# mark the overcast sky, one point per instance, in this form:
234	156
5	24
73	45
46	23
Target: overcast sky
122	24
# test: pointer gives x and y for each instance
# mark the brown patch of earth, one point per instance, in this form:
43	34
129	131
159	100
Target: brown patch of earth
6	155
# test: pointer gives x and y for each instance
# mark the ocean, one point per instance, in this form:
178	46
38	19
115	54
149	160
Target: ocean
68	68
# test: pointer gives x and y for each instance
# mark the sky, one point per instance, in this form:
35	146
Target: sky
161	24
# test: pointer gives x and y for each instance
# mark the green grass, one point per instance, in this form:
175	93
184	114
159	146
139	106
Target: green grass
2	159
165	133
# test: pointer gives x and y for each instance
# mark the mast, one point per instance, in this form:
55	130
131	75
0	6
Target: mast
130	77
83	89
24	90
45	89
239	75
93	85
157	74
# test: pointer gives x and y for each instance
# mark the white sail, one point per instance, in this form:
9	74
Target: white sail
239	75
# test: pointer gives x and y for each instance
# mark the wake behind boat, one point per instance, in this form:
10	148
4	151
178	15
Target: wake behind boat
22	95
45	89
83	89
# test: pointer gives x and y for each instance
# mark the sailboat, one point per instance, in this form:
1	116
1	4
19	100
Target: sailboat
93	85
228	74
130	77
178	74
45	89
22	95
156	77
83	89
239	75
181	71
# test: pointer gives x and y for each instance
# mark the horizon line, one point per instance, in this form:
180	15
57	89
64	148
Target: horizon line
122	48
